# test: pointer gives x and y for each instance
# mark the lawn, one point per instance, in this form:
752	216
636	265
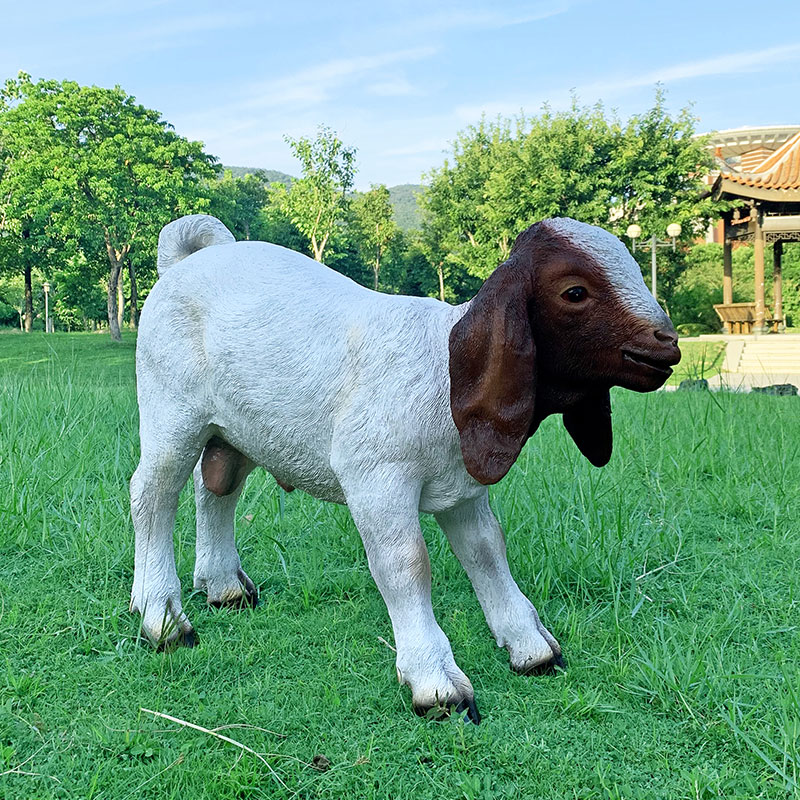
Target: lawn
698	360
670	578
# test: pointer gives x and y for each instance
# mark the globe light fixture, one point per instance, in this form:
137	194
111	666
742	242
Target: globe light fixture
634	231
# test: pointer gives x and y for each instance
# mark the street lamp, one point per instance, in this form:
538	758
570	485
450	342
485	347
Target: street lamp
673	231
46	289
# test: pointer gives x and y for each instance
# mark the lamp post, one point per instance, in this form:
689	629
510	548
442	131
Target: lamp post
673	231
46	289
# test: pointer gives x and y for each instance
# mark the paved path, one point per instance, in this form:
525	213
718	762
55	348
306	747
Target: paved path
745	381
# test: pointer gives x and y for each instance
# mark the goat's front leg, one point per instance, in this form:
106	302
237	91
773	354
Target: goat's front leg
477	540
387	517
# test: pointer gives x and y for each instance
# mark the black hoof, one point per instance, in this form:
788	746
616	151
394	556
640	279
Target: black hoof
188	638
185	639
472	715
439	712
545	668
244	600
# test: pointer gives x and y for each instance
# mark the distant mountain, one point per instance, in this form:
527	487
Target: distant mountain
407	213
404	201
272	175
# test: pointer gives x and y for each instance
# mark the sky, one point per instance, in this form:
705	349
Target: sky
399	80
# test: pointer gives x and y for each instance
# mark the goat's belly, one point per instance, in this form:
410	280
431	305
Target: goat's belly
294	462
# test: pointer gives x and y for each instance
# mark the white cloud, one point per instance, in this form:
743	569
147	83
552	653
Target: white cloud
490	18
315	84
728	64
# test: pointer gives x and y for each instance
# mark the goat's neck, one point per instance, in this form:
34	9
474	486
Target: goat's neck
555	399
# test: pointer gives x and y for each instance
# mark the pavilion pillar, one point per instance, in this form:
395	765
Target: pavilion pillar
777	285
758	255
727	272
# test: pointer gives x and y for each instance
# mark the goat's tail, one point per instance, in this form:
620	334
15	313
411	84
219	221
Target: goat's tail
187	235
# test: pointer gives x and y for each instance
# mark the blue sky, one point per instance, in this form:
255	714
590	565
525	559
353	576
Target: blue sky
398	80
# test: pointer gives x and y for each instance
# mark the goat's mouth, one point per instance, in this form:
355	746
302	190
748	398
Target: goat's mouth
661	366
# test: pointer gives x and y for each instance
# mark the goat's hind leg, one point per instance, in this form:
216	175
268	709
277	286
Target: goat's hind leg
219	479
477	540
163	470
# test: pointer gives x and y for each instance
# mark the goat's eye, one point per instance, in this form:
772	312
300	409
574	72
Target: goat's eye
575	294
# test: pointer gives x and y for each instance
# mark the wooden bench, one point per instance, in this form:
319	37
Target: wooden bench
740	317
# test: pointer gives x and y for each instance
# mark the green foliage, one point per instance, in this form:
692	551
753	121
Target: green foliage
12	298
791	283
372	214
91	168
88	177
238	202
698	360
78	294
670	577
657	174
506	175
316	202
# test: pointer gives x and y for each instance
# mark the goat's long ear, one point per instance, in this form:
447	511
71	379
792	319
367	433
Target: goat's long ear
589	425
493	375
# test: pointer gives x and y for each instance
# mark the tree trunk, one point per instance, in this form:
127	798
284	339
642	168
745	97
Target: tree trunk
28	299
116	260
441	280
121	297
134	304
113	284
377	269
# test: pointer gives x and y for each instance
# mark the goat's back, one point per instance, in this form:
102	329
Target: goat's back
276	348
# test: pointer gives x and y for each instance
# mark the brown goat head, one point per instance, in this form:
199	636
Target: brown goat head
551	331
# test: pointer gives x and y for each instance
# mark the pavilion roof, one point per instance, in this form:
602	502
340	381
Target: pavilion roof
779	170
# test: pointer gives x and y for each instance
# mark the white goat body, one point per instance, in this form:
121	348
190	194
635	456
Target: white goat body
339	391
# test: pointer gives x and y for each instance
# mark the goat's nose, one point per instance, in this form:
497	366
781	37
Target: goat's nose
667	335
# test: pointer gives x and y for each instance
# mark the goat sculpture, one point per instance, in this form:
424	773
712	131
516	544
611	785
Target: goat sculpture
253	355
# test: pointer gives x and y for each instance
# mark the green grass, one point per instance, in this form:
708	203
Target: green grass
698	360
669	576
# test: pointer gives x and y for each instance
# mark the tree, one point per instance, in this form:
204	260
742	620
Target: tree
12	300
580	163
659	165
507	174
91	166
238	202
316	202
78	296
375	222
24	242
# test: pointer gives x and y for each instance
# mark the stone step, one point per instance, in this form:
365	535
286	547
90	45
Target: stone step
770	356
768	362
773	348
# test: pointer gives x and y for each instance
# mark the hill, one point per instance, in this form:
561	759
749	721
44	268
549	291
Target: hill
407	213
272	175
